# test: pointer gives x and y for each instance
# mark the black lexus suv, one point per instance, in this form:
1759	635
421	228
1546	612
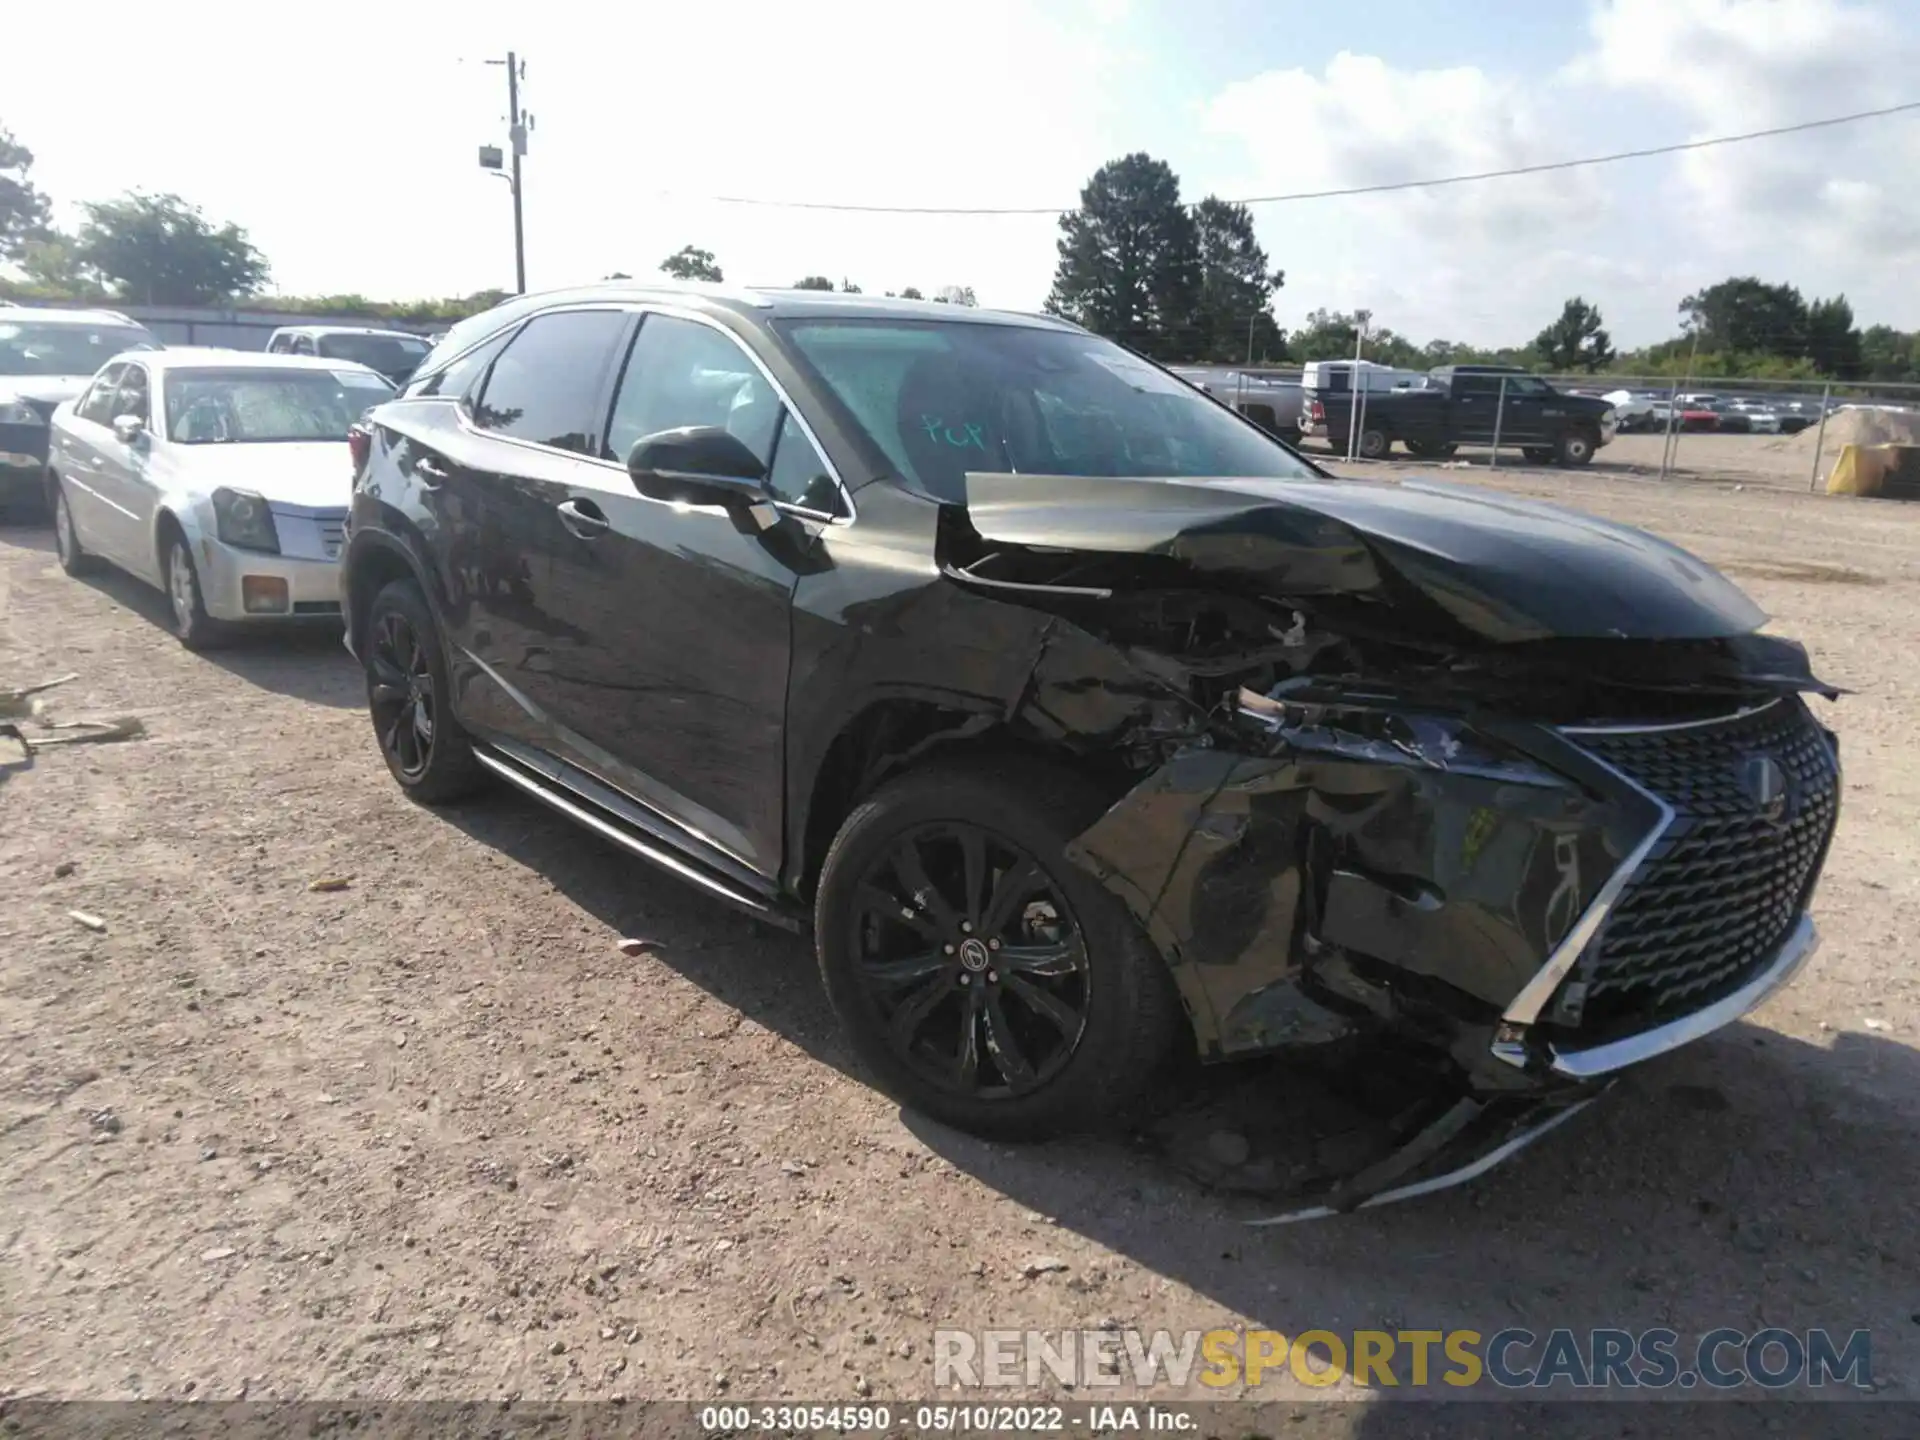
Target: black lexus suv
1081	721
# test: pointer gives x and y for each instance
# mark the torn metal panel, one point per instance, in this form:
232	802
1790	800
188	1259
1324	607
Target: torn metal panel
1244	868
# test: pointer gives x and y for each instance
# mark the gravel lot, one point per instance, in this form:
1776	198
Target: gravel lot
434	1135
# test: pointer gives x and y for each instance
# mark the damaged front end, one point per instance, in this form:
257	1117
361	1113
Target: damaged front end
1396	788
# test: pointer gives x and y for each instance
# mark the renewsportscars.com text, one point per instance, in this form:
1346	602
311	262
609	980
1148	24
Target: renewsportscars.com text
1512	1359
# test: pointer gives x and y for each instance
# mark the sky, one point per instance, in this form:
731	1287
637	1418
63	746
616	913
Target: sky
346	143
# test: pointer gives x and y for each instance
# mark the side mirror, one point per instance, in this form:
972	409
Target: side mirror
128	428
703	465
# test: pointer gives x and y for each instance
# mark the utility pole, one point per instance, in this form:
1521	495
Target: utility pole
517	127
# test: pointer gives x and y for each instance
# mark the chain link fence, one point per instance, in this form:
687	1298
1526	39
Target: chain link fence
1777	433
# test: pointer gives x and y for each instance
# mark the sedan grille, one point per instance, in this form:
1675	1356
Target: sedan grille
1754	801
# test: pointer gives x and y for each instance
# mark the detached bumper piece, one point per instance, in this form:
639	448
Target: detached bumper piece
1465	1141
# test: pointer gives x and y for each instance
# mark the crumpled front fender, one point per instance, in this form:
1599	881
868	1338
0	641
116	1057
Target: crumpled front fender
1296	893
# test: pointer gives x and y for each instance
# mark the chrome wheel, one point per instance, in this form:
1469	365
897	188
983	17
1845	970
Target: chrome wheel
973	960
182	589
401	694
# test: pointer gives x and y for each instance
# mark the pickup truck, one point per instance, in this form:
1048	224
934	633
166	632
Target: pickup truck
1457	405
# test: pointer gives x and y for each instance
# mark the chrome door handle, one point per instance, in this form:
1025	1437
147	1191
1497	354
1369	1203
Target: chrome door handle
583	519
435	472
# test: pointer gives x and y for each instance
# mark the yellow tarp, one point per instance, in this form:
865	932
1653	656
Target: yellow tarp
1889	471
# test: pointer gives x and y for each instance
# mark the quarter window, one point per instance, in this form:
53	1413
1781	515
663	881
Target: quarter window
459	377
545	384
799	476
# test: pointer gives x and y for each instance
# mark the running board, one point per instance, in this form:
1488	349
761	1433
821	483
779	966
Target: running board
647	848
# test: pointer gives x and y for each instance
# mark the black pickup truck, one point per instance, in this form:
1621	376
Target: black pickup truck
1457	405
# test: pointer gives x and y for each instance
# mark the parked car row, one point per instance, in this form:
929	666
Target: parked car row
1085	725
1659	410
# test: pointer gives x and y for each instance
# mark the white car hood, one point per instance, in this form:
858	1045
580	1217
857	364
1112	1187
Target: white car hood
312	474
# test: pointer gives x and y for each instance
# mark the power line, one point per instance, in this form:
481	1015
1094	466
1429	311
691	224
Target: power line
1541	169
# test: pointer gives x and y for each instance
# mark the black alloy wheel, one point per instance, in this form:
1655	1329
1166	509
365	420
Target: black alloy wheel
401	695
973	959
982	977
422	741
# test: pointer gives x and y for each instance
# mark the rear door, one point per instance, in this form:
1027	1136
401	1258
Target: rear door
76	456
674	686
495	469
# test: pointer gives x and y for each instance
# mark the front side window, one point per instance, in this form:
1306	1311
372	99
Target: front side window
680	373
547	381
97	404
239	406
28	348
940	398
132	397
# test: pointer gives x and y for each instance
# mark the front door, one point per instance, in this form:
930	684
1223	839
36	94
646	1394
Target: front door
125	478
676	689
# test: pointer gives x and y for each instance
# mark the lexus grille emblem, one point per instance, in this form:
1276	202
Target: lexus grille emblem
1766	786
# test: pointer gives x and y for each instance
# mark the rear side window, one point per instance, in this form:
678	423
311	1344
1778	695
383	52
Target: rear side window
549	379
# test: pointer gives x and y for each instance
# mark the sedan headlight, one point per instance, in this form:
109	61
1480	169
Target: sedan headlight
18	412
243	520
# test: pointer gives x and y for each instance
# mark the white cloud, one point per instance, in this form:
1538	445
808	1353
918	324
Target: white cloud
1829	209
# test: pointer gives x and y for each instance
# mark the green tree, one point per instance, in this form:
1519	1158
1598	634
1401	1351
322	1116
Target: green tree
847	287
1329	335
955	295
1833	342
25	213
688	263
1576	341
1747	314
813	282
1235	316
159	250
1130	259
910	293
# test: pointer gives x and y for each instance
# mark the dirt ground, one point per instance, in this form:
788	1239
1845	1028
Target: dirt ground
435	1135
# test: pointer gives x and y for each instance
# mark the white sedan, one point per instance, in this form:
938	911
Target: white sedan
220	476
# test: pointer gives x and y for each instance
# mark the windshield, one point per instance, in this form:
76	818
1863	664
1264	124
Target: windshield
389	354
939	399
27	349
217	407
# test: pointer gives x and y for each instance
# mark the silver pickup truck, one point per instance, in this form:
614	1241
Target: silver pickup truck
1272	403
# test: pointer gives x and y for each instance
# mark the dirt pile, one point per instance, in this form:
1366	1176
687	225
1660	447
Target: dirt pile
1856	425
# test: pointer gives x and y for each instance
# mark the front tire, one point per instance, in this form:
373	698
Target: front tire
409	699
192	626
66	537
981	977
1575	448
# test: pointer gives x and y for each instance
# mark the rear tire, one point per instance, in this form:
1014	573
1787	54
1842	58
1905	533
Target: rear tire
66	539
409	699
981	977
1374	444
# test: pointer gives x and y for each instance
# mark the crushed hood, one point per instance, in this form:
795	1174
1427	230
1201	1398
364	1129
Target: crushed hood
1506	569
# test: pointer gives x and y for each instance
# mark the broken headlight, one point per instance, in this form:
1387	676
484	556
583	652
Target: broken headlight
243	520
1392	737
